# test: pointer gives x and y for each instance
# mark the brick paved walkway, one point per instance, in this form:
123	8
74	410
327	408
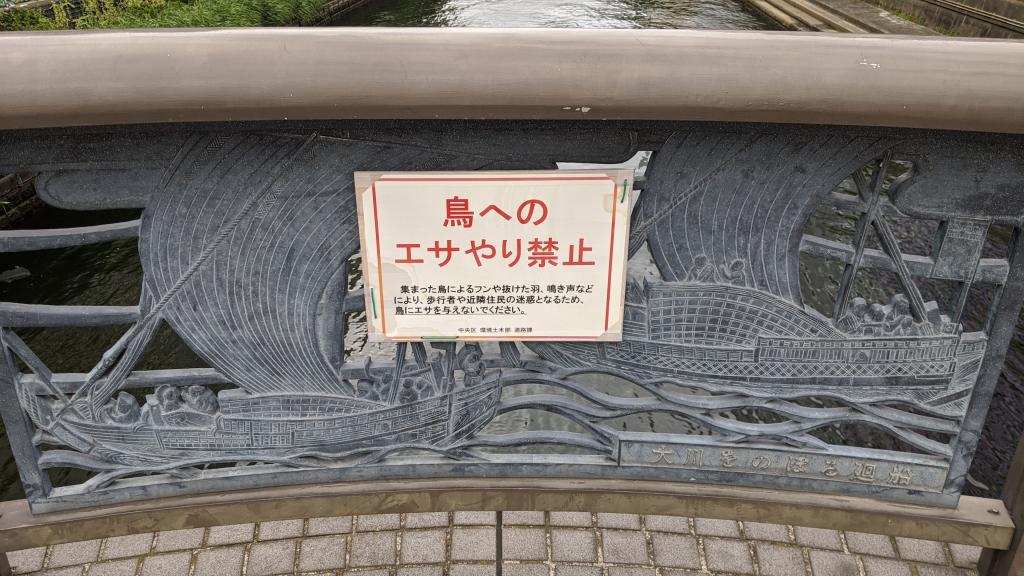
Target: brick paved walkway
534	544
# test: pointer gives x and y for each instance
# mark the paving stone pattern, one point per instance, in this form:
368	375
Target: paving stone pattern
533	544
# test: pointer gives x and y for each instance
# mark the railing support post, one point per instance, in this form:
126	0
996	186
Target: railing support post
1010	562
5	566
1001	326
19	428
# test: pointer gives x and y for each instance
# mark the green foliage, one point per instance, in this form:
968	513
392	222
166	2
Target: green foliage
165	14
916	19
22	20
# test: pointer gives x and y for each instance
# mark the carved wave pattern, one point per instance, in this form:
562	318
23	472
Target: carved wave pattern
713	408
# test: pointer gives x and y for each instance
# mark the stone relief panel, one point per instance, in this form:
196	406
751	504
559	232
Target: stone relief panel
248	248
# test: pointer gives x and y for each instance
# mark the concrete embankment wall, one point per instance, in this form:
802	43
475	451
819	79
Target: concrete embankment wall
984	18
854	16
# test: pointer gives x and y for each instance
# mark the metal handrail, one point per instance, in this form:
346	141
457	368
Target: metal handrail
123	77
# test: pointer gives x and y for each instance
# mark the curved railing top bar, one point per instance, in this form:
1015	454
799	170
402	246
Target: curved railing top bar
121	77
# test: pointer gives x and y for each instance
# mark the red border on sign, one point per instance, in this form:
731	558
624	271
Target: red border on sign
380	268
611	250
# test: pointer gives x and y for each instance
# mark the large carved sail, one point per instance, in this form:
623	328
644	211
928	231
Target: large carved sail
246	246
715	199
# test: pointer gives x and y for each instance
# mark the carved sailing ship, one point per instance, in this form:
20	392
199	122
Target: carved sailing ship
427	408
727	309
256	284
204	426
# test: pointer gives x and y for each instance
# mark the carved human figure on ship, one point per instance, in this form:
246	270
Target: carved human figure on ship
703	272
413	389
168	399
123	409
736	274
900	321
191	406
200	399
876	319
471	361
854	318
375	390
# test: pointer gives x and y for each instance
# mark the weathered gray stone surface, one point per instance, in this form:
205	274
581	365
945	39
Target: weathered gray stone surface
246	232
704	241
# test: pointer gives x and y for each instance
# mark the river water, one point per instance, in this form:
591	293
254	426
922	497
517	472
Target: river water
110	273
712	14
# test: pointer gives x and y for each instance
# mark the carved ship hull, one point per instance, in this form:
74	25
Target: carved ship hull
928	362
279	426
736	334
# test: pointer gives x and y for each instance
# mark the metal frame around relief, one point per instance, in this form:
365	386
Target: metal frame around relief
246	239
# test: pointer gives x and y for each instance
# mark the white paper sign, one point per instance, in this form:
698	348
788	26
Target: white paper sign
494	255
